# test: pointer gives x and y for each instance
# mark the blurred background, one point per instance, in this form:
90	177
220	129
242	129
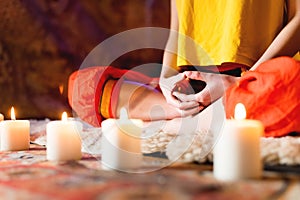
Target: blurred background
43	41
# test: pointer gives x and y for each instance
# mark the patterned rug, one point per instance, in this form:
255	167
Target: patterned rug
28	175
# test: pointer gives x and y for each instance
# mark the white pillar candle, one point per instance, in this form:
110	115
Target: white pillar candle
15	134
237	150
121	143
63	139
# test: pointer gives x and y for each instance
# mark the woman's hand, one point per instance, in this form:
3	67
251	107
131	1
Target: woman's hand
167	86
216	84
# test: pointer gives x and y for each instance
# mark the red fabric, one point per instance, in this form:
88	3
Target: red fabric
86	85
270	94
113	100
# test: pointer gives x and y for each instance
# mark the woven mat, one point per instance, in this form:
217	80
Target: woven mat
198	147
194	147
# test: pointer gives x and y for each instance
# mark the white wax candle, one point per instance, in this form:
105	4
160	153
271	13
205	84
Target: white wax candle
121	143
63	140
15	134
237	150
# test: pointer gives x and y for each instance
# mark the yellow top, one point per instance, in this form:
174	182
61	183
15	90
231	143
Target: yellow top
297	56
217	31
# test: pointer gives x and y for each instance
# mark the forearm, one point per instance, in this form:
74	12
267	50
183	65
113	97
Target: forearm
144	103
169	64
170	53
287	41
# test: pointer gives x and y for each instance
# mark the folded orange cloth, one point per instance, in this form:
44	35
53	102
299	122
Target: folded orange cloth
270	94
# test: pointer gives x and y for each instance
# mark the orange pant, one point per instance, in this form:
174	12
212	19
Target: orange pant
270	94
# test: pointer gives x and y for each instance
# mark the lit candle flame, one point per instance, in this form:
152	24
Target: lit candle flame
240	111
12	113
61	88
64	116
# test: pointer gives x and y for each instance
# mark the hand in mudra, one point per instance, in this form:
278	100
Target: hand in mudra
168	86
215	86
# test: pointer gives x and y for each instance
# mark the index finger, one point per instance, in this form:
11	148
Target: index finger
185	97
194	75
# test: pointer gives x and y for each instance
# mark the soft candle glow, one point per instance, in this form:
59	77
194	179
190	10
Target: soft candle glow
64	116
61	89
240	111
15	134
121	143
237	152
12	113
63	139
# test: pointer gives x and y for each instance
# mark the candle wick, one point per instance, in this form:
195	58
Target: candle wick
123	113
